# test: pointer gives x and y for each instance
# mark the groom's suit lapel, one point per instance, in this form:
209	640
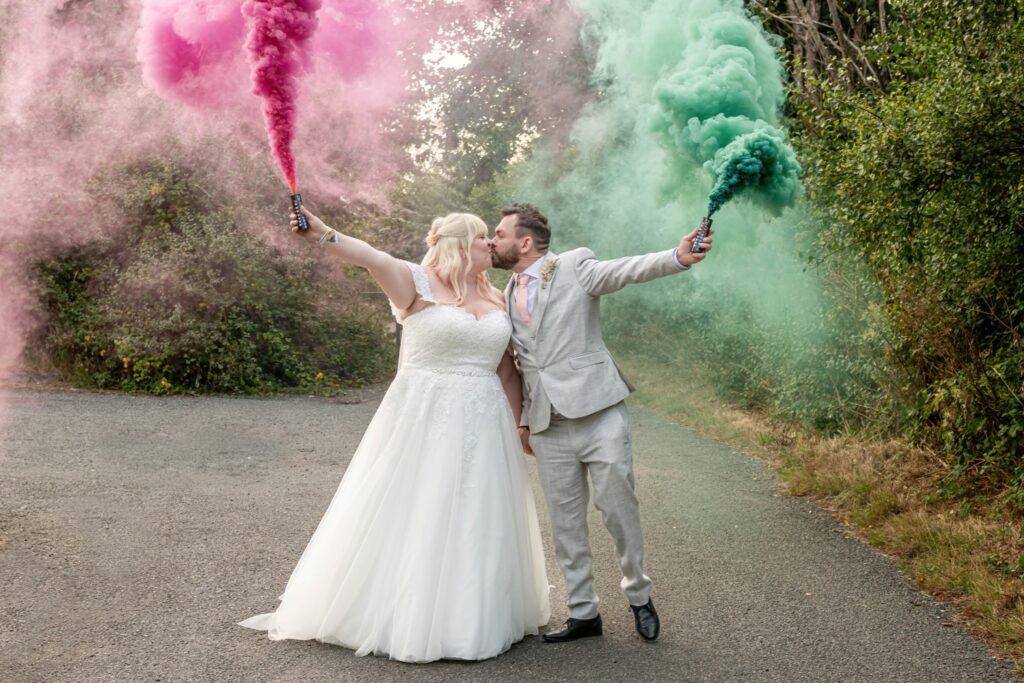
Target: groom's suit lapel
543	292
509	288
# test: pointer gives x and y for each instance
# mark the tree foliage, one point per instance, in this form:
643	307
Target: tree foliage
498	85
922	182
831	40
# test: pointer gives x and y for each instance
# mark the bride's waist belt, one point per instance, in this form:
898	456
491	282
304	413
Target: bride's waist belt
463	371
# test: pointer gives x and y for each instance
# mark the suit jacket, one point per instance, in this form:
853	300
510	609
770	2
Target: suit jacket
561	353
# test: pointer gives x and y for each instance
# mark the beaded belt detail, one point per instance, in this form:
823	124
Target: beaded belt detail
465	372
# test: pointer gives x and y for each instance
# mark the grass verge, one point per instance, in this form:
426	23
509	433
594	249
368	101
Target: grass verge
969	553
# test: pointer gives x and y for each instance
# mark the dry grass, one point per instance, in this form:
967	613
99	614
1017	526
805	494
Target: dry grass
967	553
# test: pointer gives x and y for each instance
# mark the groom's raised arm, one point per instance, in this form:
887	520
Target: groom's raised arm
604	277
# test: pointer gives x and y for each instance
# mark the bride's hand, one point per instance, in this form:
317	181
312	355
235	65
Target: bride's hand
317	227
524	440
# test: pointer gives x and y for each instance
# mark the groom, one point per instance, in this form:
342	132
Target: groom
574	416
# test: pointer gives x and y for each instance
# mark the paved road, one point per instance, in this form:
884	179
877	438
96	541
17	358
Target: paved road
136	531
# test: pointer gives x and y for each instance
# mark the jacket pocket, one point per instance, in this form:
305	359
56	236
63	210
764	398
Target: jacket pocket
583	360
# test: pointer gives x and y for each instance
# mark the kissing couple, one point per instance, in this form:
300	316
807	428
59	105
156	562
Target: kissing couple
431	548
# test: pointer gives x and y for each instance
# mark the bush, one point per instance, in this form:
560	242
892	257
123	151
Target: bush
828	378
922	183
181	299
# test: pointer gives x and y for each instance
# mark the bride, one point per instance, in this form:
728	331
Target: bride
430	548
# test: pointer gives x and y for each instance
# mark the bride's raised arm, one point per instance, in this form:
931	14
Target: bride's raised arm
390	273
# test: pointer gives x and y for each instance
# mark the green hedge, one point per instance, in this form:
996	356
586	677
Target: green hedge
924	184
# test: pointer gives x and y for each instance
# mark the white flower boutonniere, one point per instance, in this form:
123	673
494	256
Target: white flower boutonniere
547	271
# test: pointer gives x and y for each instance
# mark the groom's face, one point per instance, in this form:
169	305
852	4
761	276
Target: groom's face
506	247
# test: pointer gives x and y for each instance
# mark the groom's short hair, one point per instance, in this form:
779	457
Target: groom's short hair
530	219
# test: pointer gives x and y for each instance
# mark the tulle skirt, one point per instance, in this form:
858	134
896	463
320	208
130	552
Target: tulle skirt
430	548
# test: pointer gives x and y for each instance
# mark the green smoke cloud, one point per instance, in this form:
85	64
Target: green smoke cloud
686	92
718	107
759	163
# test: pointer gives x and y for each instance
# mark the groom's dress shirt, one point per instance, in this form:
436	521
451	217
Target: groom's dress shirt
534	272
531	289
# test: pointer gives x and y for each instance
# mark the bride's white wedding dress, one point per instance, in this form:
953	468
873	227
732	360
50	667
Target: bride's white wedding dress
430	548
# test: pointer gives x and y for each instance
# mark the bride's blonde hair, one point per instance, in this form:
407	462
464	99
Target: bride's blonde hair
450	242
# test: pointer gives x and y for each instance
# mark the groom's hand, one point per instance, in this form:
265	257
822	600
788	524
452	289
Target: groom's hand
684	253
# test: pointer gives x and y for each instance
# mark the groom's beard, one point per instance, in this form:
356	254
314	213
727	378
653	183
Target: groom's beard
504	261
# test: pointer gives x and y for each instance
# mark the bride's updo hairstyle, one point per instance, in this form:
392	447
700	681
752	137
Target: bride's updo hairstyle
450	240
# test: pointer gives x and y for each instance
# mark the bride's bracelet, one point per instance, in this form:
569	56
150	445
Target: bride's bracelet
333	237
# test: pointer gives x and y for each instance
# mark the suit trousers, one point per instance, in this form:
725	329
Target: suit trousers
569	450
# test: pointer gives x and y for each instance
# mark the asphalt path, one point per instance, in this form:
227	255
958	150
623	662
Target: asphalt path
135	532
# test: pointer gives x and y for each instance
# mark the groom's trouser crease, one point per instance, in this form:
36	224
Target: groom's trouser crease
567	451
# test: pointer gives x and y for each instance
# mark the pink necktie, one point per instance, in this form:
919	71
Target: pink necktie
522	296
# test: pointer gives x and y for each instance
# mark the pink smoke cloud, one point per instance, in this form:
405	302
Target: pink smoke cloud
278	33
79	86
192	51
353	52
352	34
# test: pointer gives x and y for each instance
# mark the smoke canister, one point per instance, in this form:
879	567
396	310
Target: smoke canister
702	232
299	216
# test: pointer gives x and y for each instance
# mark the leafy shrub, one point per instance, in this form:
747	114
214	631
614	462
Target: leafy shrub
181	299
922	183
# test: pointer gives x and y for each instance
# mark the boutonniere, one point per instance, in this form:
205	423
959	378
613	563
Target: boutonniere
547	271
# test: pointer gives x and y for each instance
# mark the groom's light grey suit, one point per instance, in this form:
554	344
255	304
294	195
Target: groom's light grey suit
573	403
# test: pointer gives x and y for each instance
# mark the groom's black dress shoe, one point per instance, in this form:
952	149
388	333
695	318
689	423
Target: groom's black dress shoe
647	624
575	629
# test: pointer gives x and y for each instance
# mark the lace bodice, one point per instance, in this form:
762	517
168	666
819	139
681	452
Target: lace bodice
449	339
